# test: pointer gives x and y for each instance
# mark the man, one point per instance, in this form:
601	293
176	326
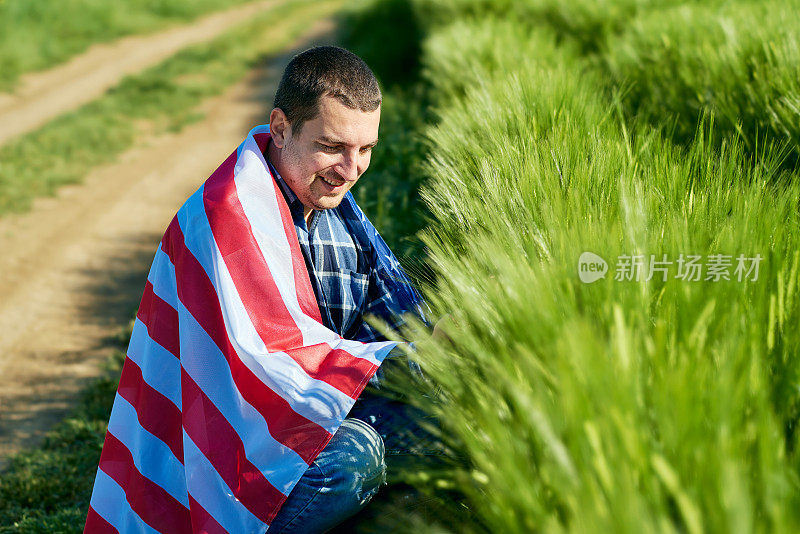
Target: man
324	126
235	411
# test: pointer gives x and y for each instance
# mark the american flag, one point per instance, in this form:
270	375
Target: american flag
231	385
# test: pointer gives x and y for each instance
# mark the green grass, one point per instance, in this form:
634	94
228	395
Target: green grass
586	23
620	406
617	406
164	97
36	34
395	60
47	489
675	61
682	62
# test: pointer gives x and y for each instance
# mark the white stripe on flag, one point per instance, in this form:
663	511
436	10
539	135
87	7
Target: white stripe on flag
108	500
256	193
160	368
207	366
162	276
374	352
151	456
213	494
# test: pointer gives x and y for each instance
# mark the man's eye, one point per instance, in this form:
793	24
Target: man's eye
328	148
366	150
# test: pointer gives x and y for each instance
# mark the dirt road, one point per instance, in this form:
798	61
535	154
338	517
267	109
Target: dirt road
73	269
42	96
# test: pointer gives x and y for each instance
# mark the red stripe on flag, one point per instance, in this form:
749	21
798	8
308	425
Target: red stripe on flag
95	524
150	501
259	292
161	320
219	442
155	412
197	294
202	521
244	260
305	293
320	361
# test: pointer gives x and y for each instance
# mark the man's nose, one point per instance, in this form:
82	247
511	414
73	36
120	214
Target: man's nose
348	168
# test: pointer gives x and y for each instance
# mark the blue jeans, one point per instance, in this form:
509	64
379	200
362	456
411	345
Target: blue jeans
350	470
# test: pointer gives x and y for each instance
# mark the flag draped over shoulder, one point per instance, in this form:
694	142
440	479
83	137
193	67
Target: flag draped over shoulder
231	385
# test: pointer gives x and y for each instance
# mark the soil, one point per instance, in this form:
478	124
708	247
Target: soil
74	267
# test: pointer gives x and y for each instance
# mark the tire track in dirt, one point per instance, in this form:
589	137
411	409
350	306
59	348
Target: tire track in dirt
42	96
73	269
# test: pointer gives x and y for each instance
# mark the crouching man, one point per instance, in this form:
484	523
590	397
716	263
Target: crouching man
236	409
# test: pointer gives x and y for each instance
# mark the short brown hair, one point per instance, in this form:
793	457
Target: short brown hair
325	70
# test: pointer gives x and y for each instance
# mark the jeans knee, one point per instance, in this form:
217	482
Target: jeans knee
340	482
356	460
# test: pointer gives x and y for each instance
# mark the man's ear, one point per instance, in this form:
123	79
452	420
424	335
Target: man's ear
279	127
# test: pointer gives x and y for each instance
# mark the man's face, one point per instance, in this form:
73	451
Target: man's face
329	155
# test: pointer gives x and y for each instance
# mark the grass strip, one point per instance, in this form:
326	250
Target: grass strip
676	61
37	35
677	64
164	97
47	489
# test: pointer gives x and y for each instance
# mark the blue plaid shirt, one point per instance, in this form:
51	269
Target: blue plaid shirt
342	273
